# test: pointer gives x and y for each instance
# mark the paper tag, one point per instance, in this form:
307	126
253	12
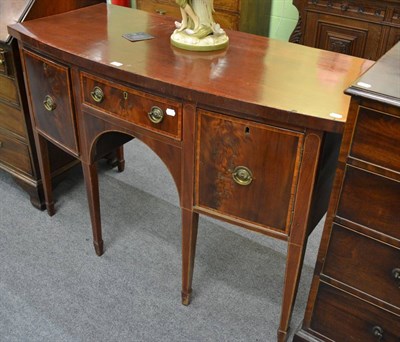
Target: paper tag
170	112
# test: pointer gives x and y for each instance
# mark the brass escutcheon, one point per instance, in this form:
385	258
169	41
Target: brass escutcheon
156	114
49	103
97	94
242	175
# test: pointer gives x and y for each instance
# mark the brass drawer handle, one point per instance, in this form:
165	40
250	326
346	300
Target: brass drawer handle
242	175
97	94
1	61
156	114
49	103
396	274
377	331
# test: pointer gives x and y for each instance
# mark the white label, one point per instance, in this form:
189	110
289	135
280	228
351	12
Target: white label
116	63
364	85
336	115
170	112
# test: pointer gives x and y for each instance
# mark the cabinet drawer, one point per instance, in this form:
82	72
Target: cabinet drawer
15	154
364	200
52	101
8	90
12	119
364	263
384	151
132	105
233	152
342	317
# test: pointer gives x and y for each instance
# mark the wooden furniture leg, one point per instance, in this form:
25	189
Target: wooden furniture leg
294	263
44	166
189	237
92	191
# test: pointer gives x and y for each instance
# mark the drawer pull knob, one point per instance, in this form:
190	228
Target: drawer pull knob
97	94
49	103
378	332
242	175
396	274
156	114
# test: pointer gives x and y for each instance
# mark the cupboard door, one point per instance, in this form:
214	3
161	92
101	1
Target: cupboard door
51	103
247	170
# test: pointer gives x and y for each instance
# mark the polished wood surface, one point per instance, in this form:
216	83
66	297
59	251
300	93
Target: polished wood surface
357	274
261	72
363	28
261	104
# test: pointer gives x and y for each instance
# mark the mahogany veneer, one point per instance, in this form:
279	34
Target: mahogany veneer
247	133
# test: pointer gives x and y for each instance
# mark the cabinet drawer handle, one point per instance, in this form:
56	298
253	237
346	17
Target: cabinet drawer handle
161	11
242	175
97	94
377	332
49	103
156	114
396	274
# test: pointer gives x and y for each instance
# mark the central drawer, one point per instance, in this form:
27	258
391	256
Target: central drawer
247	170
158	114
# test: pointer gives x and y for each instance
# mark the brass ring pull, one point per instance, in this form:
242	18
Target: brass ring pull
242	175
49	103
377	331
396	274
97	94
156	114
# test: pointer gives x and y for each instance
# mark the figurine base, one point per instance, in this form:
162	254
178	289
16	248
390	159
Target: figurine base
190	42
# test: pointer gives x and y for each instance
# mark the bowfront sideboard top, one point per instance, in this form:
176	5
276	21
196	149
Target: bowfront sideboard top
249	134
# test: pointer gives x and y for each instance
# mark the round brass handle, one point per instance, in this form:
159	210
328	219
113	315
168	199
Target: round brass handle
49	103
161	11
156	114
242	175
377	331
396	273
97	94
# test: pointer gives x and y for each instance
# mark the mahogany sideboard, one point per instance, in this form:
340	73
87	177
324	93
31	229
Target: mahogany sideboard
250	134
247	16
363	28
17	146
355	293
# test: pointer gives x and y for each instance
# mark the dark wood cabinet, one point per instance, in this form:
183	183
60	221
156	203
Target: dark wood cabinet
247	16
355	290
18	154
362	28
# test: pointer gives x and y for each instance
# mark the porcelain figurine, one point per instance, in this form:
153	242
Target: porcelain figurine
198	31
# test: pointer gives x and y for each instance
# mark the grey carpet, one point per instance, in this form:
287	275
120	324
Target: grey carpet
54	288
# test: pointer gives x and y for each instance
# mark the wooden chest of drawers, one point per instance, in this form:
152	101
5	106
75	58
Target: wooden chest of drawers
247	16
355	293
17	145
363	28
